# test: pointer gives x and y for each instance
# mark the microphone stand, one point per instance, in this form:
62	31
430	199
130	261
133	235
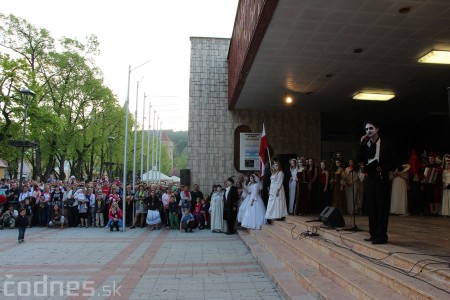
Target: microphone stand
354	228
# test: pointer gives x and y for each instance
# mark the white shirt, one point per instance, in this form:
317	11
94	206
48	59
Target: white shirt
22	196
165	199
377	153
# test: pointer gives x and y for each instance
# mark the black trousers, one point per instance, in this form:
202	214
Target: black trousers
231	219
376	189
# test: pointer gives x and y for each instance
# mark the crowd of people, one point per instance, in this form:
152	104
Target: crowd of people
354	186
64	204
417	187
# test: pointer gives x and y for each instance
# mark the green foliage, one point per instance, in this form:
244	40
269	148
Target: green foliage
73	113
180	141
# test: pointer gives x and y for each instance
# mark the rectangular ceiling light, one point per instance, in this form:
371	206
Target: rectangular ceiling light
436	57
373	96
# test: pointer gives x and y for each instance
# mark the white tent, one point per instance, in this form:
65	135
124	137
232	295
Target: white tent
155	176
175	178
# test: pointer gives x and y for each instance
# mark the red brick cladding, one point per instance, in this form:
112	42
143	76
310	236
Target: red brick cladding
252	20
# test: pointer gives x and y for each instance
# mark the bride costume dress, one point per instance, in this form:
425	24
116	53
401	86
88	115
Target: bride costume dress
254	216
243	206
276	206
292	188
399	191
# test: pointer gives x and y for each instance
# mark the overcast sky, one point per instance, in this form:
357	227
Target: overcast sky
133	32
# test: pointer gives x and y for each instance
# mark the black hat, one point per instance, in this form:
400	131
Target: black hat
230	179
372	121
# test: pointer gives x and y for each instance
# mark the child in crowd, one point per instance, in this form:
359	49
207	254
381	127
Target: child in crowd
28	210
173	212
115	217
22	224
57	217
184	203
203	214
187	221
42	212
99	210
197	212
9	217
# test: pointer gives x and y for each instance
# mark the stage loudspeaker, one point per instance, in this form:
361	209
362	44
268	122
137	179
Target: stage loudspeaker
185	177
332	217
284	159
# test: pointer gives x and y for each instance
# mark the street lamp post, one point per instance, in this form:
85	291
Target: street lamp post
142	140
111	163
27	96
125	146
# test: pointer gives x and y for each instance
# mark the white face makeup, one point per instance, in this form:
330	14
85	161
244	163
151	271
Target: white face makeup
322	165
371	130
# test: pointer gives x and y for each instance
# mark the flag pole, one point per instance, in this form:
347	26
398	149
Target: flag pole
268	155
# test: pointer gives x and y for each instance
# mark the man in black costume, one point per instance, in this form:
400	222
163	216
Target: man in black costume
378	157
231	198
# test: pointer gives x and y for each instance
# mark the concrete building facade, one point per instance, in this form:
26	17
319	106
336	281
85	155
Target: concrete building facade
212	125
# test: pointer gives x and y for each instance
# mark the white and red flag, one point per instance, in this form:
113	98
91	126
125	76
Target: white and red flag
263	152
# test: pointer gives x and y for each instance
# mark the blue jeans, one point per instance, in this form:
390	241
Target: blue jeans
111	223
21	233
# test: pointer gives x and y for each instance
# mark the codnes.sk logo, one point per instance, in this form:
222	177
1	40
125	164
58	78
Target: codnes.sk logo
55	288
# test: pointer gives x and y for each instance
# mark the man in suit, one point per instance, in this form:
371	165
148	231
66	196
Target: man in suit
230	208
379	158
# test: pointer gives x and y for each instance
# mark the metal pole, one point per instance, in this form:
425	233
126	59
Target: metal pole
125	146
142	139
148	141
160	148
23	147
124	182
135	138
153	141
110	160
156	150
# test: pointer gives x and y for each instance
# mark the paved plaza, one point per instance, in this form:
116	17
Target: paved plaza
94	263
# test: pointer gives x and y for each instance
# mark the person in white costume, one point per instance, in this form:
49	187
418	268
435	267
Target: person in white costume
216	210
292	184
399	191
255	211
244	199
276	207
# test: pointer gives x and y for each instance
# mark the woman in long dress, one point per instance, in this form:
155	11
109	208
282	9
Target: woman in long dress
302	204
446	186
350	178
255	212
216	210
292	185
337	184
276	206
245	196
399	192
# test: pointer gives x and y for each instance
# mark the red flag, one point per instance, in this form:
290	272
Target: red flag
263	148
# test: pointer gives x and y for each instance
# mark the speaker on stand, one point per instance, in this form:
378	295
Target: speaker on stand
185	177
332	217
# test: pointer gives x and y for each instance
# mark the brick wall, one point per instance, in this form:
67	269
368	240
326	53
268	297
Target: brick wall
212	125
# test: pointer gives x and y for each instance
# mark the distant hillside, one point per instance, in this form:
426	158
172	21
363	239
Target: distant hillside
180	141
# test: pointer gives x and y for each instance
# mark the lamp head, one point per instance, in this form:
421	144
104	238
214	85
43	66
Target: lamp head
27	95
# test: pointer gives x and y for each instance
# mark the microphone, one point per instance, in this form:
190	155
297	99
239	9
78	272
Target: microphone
364	139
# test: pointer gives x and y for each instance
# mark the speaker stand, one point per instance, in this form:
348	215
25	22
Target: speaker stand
318	220
354	228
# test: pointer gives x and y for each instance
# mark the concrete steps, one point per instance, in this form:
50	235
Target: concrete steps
326	267
275	269
305	275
